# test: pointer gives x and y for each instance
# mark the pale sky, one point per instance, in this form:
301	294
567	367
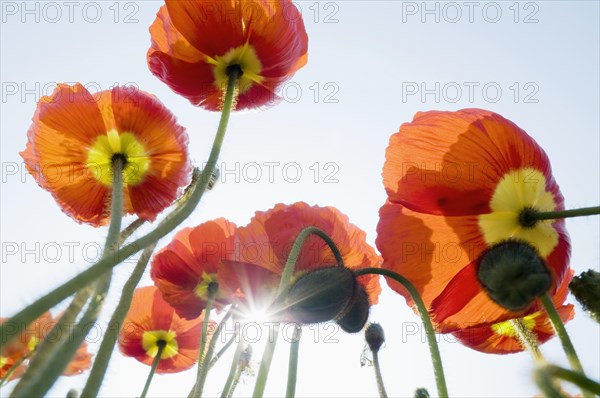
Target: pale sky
372	65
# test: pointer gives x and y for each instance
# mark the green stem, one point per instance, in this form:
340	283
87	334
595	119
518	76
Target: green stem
534	215
436	358
12	327
284	283
53	361
110	338
198	386
234	366
528	340
574	377
547	384
219	354
380	385
157	359
562	334
51	344
129	230
204	367
293	362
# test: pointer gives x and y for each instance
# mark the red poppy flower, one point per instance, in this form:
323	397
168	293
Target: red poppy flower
151	320
75	136
197	256
269	237
458	183
21	349
501	338
194	42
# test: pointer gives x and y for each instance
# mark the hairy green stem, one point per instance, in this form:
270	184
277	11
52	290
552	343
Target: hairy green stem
284	283
205	365
59	354
378	377
534	215
574	377
235	363
157	359
110	338
293	362
436	358
528	340
562	334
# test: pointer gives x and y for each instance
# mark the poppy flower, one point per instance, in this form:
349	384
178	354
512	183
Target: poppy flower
20	350
75	137
458	184
501	338
199	256
195	42
151	321
267	240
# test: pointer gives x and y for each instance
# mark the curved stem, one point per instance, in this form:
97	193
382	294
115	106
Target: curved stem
293	362
528	340
562	334
204	365
13	326
547	384
284	283
157	359
436	358
551	215
110	338
380	385
574	377
235	363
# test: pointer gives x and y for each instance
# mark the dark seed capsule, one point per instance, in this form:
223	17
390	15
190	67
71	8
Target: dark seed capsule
320	295
357	314
586	289
374	336
513	275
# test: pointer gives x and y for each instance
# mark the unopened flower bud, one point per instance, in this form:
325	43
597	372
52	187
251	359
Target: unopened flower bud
320	295
374	336
513	275
421	393
356	315
586	289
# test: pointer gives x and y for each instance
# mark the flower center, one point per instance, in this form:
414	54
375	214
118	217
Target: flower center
152	339
517	192
101	154
203	286
3	361
245	58
506	328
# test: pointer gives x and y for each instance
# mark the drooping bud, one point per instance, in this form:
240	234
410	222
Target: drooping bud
586	289
421	392
513	274
355	317
320	295
374	336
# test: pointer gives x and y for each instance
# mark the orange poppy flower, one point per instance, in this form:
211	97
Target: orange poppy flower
75	136
269	237
458	183
22	348
194	42
197	256
151	320
501	338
